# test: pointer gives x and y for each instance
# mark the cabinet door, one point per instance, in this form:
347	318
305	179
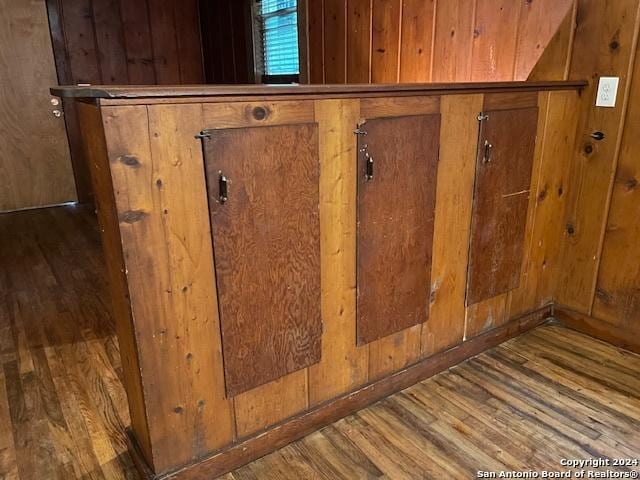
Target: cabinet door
397	169
263	192
501	198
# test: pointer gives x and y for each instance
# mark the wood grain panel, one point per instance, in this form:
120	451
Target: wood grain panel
555	141
385	41
494	40
395	223
394	352
256	114
137	38
270	403
539	21
454	202
555	60
34	156
110	42
335	41
120	42
359	41
96	149
485	315
515	296
316	41
342	366
398	106
501	196
453	40
269	301
165	47
81	49
508	101
617	297
189	42
159	184
419	41
416	46
600	48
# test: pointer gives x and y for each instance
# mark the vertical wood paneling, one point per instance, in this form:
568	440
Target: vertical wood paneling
316	40
456	173
271	403
122	42
173	299
617	297
385	41
547	202
600	48
225	43
494	40
335	41
515	302
137	37
165	46
554	62
453	40
110	42
343	365
485	315
430	40
188	41
416	46
96	150
539	21
81	49
242	47
394	352
358	41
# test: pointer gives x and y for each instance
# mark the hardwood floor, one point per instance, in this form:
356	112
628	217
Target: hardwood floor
549	394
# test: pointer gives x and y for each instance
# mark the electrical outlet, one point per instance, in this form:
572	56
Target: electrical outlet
607	92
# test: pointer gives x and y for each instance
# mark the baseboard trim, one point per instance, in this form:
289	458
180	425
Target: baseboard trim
294	428
594	327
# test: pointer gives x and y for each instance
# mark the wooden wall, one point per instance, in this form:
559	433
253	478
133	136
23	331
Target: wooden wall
600	271
388	41
226	41
122	42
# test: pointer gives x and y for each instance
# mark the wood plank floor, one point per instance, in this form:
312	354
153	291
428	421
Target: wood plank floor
547	395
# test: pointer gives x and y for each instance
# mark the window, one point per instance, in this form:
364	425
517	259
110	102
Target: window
277	41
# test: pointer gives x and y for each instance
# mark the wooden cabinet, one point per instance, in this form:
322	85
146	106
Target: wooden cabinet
397	170
262	185
277	274
504	160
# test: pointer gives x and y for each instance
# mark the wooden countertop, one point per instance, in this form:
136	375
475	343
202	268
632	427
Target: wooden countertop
169	91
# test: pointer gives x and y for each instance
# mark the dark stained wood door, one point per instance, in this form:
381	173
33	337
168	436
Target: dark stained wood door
266	238
396	202
503	178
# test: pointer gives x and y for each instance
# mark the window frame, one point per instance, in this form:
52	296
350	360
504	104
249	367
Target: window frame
303	46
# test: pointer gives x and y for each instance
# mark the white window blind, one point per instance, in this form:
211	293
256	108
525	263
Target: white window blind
278	24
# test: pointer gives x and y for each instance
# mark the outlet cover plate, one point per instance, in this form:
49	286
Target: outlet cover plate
607	92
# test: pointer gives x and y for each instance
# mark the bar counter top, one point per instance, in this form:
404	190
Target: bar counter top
166	91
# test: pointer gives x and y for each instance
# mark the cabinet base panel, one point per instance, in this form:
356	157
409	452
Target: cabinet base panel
597	328
279	435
